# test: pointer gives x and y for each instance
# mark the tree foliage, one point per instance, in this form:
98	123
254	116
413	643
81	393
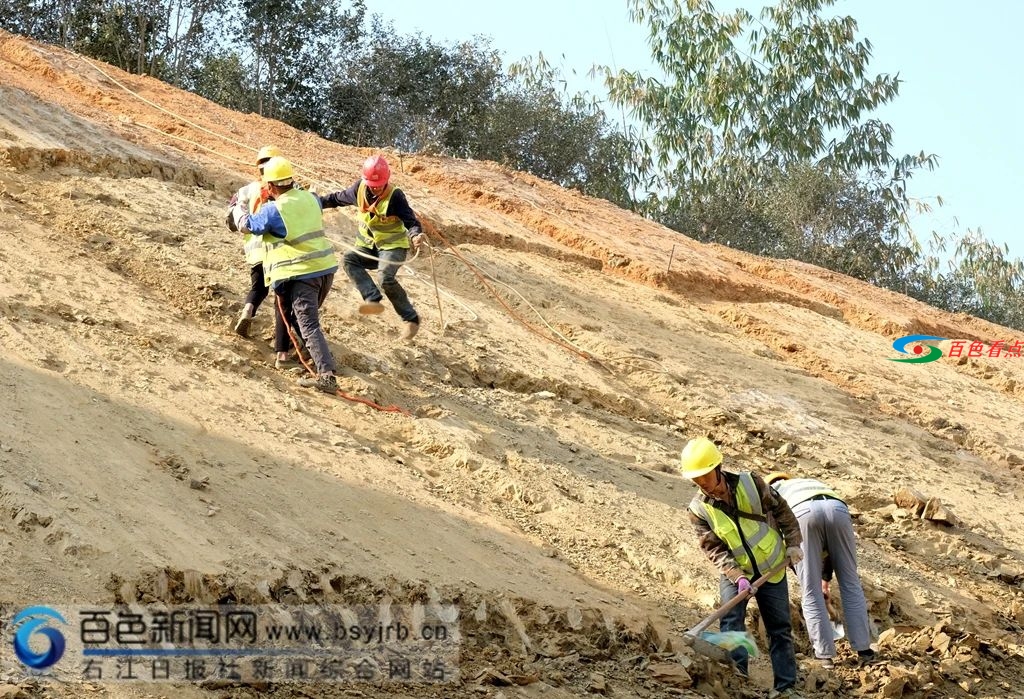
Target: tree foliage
746	99
760	136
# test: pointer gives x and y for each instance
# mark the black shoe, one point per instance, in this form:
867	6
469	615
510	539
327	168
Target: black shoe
868	657
328	383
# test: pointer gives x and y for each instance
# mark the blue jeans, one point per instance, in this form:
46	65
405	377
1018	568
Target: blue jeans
356	267
773	603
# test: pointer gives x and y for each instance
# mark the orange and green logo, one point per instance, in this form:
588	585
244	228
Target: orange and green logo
919	350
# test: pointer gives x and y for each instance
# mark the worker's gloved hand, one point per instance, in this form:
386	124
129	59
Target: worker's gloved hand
794	554
230	220
742	585
326	202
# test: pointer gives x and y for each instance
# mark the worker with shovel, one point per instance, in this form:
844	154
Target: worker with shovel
749	533
827	530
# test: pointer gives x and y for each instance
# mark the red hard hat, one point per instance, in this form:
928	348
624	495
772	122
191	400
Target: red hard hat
376	172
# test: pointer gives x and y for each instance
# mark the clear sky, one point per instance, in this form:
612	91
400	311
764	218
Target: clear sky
962	96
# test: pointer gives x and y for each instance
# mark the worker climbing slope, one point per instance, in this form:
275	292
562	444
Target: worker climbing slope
248	200
387	228
299	262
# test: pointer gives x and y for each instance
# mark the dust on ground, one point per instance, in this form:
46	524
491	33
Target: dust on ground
568	350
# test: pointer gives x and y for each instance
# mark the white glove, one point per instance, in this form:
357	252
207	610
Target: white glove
417	241
794	554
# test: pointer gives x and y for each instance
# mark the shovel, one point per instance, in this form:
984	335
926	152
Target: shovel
693	637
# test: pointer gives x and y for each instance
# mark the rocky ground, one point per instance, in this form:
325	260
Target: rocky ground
568	351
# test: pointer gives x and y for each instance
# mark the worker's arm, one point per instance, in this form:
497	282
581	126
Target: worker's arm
345	197
399	206
784	519
266	221
715	549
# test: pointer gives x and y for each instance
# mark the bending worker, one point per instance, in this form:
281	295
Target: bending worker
827	529
745	529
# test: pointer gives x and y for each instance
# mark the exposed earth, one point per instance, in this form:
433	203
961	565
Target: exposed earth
568	351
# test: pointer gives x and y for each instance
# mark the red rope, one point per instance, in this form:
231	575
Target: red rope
312	371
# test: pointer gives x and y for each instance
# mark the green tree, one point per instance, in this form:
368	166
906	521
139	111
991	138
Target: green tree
412	93
745	100
290	51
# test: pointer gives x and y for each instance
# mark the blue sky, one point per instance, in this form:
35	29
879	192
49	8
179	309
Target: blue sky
962	96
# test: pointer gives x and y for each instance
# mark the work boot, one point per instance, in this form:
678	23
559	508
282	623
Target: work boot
410	330
285	364
371	308
243	324
328	383
868	657
827	663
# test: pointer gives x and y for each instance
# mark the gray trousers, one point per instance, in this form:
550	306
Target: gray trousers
305	297
826	527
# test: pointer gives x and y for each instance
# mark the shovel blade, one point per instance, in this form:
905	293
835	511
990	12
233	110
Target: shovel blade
708	650
838	631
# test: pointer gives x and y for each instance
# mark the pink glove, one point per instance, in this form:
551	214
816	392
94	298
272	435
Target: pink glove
743	585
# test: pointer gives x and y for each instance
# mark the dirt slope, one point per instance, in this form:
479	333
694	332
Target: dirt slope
529	476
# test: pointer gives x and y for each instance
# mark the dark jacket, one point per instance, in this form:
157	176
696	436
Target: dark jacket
398	206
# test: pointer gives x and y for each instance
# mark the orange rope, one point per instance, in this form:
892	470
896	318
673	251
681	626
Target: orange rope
312	371
515	314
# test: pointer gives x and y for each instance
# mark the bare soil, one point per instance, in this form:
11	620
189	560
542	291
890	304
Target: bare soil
562	363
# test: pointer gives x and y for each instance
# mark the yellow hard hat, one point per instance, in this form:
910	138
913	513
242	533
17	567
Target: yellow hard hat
266	153
698	457
777	476
277	170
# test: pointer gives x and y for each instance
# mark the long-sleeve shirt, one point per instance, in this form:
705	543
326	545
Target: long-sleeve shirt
398	206
267	221
777	512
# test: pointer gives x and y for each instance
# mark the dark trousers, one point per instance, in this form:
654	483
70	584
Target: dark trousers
304	297
358	268
257	288
773	603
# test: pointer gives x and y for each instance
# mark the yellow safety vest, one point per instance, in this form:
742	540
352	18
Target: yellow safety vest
377	229
797	490
764	541
304	250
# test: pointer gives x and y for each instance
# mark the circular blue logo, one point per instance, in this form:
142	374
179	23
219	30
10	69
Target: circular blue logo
32	621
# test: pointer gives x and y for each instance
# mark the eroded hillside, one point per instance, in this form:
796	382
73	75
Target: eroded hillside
529	478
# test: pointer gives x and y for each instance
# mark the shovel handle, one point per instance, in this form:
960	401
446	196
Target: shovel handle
724	609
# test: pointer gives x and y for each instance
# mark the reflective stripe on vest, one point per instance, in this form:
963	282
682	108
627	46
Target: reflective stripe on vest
377	229
797	490
304	250
764	541
253	197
